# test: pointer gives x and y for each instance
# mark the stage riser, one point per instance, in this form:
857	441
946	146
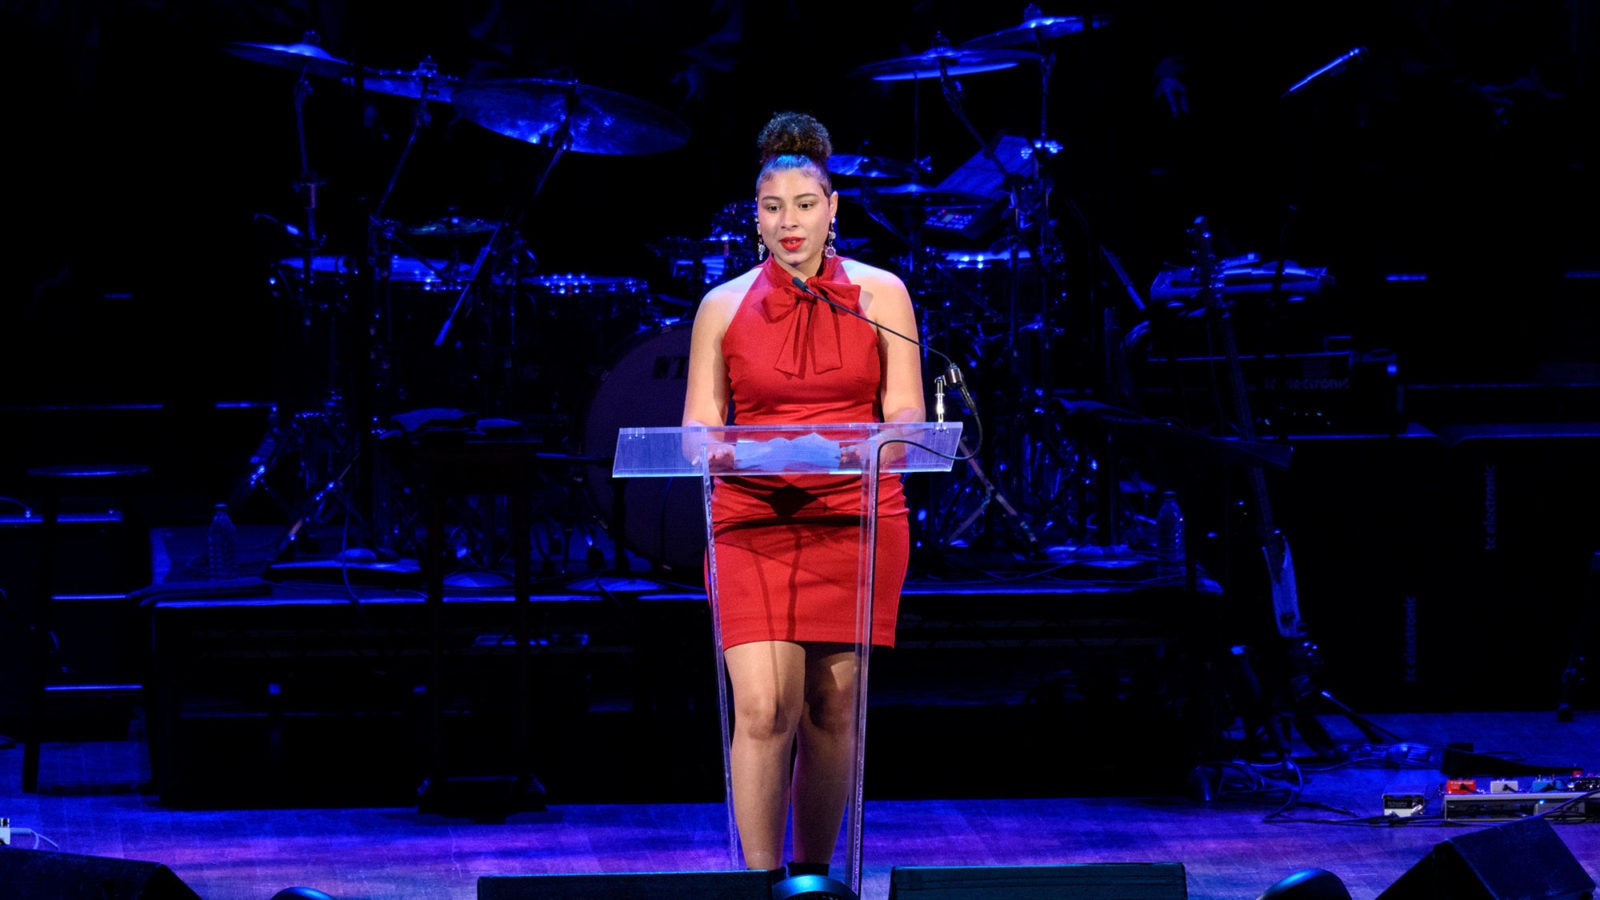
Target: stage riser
276	702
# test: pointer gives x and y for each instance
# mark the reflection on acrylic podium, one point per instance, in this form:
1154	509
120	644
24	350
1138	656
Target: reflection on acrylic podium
867	450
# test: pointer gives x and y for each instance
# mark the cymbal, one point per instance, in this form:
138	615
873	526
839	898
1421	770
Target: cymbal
944	60
870	166
423	82
307	59
540	110
1036	30
452	226
916	194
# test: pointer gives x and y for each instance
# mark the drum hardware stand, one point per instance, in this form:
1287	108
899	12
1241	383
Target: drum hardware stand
313	443
1029	226
374	346
560	141
991	493
329	427
314	512
497	247
316	442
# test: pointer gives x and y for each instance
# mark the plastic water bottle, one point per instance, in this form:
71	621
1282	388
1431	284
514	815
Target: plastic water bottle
222	544
1170	548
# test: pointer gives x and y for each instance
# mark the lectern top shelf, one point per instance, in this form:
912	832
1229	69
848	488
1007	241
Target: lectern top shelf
787	449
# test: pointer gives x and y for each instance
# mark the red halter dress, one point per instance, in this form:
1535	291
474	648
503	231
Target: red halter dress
787	547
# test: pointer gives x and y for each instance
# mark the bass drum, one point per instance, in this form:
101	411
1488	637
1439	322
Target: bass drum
661	519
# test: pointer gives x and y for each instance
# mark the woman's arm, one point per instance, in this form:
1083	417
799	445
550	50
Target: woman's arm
901	396
705	401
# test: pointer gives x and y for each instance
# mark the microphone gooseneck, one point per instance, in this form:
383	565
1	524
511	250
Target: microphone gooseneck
952	372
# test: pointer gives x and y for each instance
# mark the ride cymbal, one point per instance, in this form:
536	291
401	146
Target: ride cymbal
1035	31
307	59
870	166
581	118
942	60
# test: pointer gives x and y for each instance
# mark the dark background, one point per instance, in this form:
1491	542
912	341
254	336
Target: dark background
1444	181
152	172
158	213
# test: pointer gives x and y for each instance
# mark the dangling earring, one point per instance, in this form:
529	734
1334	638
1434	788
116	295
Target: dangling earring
833	235
761	246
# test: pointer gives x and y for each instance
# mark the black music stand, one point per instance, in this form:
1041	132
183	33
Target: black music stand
442	465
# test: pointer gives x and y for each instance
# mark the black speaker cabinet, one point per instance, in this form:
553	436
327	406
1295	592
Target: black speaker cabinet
1089	881
741	884
67	876
1521	860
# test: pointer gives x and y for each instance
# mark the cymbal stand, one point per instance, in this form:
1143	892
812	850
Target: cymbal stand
561	141
381	231
1030	458
1033	200
306	187
368	310
309	182
374	493
505	241
314	445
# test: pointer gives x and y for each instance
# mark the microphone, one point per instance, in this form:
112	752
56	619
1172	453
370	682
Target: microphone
952	373
1333	67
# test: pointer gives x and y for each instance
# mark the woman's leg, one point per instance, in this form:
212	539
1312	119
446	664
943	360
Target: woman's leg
768	679
822	772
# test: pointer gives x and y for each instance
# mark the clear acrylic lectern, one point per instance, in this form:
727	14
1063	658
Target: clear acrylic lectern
860	449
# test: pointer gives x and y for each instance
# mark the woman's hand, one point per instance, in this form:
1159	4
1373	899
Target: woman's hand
719	457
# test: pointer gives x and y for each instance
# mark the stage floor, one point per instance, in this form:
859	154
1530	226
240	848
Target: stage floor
1233	846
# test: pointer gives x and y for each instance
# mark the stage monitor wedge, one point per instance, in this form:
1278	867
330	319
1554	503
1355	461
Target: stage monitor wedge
1520	860
69	876
1087	881
739	884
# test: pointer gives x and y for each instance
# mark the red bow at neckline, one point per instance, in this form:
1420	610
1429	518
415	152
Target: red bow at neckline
814	328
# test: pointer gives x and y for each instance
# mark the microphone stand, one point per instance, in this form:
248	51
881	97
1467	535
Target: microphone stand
952	376
952	373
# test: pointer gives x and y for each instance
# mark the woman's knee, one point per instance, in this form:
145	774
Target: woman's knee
832	708
765	717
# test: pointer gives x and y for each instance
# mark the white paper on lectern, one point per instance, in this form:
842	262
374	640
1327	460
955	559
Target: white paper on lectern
808	451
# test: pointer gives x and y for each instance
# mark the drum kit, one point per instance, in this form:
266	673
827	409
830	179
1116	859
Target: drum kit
486	330
999	308
452	312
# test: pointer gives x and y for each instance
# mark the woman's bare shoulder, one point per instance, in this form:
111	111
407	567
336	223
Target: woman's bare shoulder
724	298
871	276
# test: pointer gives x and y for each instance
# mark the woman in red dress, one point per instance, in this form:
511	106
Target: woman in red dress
764	352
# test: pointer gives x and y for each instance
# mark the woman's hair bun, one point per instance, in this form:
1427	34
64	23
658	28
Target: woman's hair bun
795	134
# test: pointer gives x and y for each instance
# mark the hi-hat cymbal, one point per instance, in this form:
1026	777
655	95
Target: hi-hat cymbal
588	119
307	59
452	226
944	59
870	166
1036	30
